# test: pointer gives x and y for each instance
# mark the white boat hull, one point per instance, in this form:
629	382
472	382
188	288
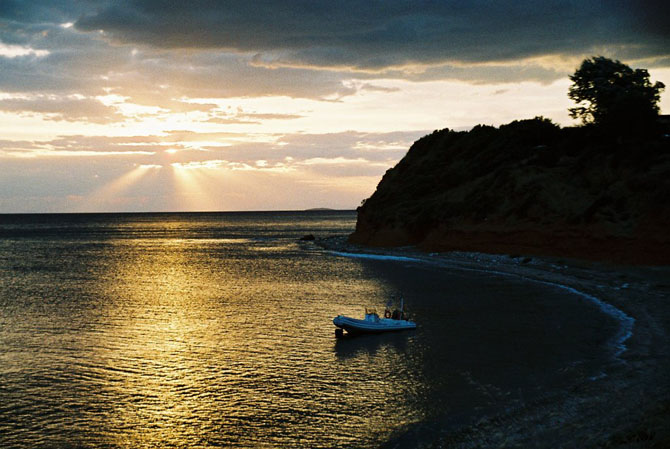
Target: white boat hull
371	326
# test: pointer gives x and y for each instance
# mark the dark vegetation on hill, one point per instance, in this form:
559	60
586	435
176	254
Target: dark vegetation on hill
528	187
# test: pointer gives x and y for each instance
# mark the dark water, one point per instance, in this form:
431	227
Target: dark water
214	330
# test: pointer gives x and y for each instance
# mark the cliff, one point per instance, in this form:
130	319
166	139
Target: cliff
528	187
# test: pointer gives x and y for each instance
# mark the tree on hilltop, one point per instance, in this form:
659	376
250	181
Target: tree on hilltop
612	95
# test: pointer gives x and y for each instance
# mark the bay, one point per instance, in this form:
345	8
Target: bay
215	330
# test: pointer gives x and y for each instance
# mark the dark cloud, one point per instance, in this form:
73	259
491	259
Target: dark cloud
651	17
376	35
43	11
159	52
88	65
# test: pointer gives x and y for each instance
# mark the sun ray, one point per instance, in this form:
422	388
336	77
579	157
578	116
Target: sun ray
192	187
111	193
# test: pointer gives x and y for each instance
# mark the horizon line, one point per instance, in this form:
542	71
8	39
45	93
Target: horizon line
317	209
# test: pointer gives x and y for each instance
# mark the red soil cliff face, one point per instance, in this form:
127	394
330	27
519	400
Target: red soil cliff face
526	188
636	251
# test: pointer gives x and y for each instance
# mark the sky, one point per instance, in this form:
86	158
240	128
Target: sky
205	105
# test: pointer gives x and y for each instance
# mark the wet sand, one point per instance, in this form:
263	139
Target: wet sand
626	405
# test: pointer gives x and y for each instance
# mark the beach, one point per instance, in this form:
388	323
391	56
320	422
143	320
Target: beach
626	405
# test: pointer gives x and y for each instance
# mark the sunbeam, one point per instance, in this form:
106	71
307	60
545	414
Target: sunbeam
112	193
193	187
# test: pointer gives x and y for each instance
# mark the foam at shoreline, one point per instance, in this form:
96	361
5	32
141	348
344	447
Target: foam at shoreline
378	257
626	322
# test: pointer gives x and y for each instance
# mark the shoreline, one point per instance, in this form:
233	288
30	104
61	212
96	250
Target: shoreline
628	405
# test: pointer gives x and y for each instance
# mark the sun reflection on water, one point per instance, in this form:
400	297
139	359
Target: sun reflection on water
200	350
214	330
159	342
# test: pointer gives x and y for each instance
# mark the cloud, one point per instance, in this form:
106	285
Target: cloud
65	174
381	150
62	108
336	154
178	71
14	51
240	117
41	11
370	36
84	146
85	63
159	53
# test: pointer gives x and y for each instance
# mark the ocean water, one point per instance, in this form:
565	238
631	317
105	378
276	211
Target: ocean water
215	330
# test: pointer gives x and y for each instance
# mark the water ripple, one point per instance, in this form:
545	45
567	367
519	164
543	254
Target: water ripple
207	330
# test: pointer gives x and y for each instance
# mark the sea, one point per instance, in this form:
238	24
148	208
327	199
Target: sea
155	330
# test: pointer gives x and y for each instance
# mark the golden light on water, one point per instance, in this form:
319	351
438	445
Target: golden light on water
165	333
196	330
191	344
215	330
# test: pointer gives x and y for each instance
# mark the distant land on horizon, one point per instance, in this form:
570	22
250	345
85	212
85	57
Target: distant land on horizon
528	187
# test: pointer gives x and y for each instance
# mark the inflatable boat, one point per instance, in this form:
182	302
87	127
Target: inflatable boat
372	323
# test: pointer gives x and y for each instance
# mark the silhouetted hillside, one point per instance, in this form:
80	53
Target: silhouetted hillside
528	187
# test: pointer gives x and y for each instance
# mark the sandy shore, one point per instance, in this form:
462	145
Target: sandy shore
628	406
